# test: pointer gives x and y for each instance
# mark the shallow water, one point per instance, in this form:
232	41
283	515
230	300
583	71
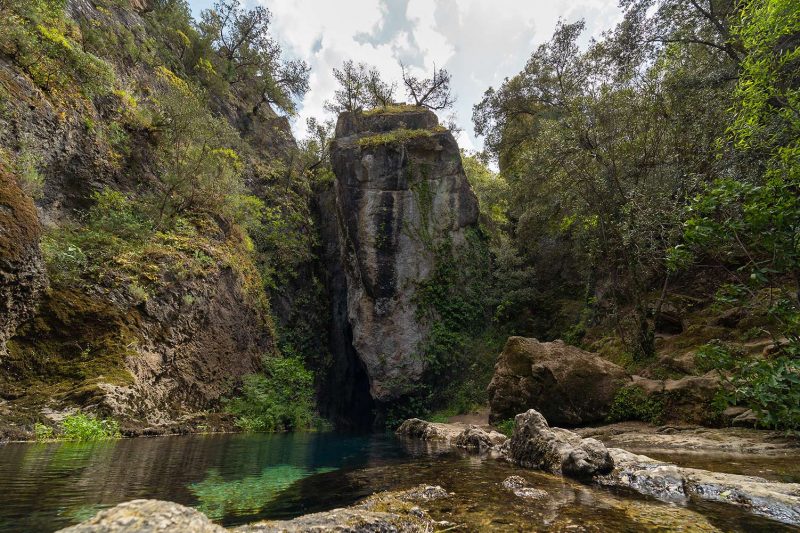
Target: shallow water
242	478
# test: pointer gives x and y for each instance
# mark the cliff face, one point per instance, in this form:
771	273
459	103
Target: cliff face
22	276
154	330
400	192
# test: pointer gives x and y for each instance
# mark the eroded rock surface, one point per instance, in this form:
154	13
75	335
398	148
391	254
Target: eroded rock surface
569	386
666	481
535	444
467	436
400	192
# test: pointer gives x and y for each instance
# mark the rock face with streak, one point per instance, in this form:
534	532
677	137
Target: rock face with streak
400	192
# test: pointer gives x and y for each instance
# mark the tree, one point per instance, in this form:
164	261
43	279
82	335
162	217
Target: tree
379	93
360	87
249	59
433	93
352	92
198	166
595	159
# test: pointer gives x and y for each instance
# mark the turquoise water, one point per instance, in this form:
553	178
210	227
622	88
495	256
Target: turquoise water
237	479
232	478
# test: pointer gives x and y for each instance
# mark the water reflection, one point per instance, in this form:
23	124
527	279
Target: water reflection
46	486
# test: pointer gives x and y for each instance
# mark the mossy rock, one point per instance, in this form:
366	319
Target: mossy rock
18	219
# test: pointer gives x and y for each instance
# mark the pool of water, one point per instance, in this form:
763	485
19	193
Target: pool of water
237	479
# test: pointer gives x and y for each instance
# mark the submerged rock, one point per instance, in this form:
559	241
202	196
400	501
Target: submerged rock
144	516
519	486
555	450
569	386
400	194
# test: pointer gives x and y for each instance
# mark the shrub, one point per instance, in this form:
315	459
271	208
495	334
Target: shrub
280	399
506	427
42	431
716	355
83	427
632	403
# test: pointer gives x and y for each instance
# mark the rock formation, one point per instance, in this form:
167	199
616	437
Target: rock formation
558	451
535	444
569	386
22	276
152	359
400	192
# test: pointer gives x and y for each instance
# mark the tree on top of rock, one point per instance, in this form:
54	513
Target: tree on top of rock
360	87
433	93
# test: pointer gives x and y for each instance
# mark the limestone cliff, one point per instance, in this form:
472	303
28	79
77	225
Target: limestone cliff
400	193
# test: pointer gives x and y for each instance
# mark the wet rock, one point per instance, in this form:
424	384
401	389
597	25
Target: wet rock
569	386
519	486
668	482
22	275
147	516
641	437
429	431
396	199
479	439
536	445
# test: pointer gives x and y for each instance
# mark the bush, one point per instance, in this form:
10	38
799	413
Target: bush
42	431
83	427
632	403
280	399
506	427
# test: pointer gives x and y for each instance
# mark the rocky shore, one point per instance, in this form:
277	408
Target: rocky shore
640	484
534	444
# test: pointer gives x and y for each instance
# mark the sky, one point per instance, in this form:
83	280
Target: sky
480	42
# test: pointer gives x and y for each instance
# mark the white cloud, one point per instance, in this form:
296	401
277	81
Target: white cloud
479	41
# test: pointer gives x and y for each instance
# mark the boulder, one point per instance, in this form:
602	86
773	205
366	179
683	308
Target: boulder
479	439
535	444
398	197
569	386
689	399
416	428
147	516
